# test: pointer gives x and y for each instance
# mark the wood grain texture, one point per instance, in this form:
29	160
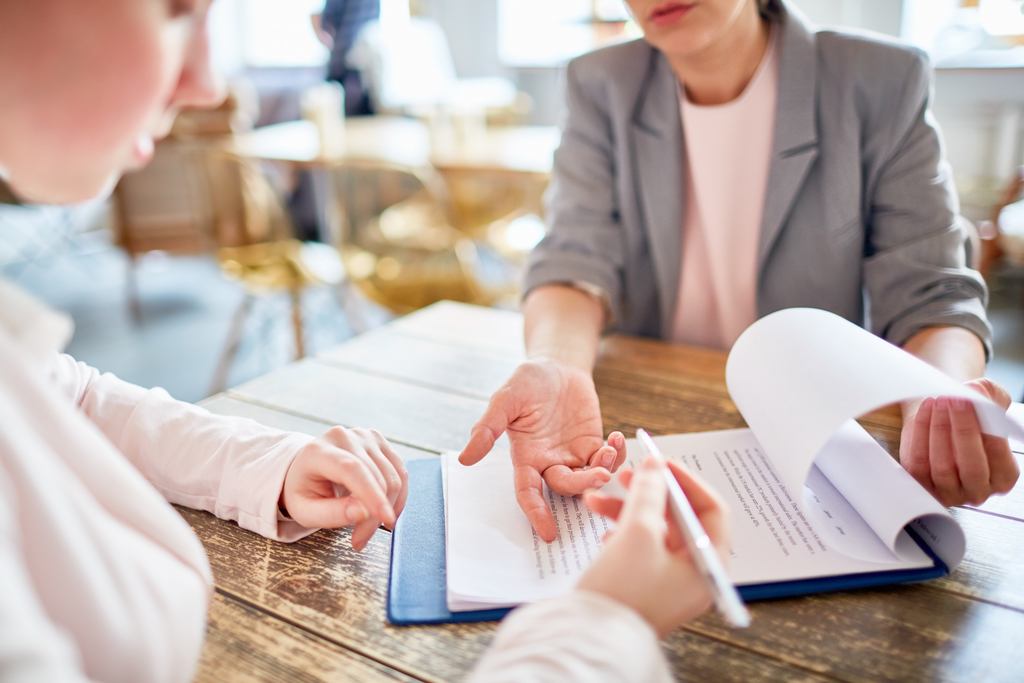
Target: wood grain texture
404	412
340	595
465	325
470	370
246	645
900	633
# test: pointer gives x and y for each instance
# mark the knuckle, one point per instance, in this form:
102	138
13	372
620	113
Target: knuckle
1003	482
338	436
944	471
350	465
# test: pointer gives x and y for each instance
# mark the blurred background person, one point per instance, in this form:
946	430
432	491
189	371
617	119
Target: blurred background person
338	26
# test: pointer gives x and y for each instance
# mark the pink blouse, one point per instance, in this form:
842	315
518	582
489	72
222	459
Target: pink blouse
728	149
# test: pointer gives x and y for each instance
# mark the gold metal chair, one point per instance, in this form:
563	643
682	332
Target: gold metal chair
259	251
995	249
397	241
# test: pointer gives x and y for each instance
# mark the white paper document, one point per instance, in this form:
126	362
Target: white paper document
811	493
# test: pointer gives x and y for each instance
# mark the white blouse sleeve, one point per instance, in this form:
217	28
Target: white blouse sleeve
232	467
580	637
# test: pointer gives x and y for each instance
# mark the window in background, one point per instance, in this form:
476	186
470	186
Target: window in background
276	33
969	32
540	33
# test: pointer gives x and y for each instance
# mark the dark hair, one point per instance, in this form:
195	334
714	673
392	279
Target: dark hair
770	9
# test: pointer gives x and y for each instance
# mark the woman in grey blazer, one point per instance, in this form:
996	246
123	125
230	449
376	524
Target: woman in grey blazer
859	217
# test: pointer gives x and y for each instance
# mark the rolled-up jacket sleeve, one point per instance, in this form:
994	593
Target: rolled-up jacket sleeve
584	243
915	268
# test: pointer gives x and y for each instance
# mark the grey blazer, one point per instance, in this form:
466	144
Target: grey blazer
860	214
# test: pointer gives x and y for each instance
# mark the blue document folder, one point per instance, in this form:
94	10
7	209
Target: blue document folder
417	582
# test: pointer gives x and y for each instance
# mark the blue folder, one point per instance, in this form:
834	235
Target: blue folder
417	582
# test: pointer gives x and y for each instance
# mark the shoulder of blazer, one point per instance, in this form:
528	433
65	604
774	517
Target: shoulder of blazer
616	73
871	61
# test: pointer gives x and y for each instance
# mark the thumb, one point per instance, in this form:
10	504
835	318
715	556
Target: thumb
992	390
495	420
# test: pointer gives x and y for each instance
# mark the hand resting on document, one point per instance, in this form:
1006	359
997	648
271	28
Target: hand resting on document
553	420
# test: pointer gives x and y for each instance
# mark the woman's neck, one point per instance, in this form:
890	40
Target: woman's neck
720	72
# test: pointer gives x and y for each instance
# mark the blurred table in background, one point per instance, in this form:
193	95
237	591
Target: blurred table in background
408	142
455	207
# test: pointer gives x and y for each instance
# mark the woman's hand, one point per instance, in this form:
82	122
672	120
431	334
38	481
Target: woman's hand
644	563
347	477
943	448
553	419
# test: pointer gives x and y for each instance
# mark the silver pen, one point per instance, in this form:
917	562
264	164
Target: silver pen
724	593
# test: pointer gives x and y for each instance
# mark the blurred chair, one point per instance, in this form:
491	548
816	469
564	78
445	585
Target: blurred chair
162	208
501	209
197	196
167	205
258	249
1002	237
398	242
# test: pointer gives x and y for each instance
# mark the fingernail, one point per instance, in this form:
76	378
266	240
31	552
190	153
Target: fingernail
609	460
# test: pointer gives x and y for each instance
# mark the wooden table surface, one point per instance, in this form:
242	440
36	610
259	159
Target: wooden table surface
314	610
407	142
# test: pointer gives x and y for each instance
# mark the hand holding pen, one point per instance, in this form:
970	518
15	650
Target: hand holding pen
645	564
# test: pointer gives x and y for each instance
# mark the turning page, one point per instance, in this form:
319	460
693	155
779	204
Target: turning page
800	376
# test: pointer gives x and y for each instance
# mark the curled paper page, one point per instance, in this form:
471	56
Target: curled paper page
800	376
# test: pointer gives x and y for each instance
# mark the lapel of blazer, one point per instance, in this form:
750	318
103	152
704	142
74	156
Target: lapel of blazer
659	162
795	143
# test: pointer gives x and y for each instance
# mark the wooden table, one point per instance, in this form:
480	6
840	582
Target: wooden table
407	142
314	609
